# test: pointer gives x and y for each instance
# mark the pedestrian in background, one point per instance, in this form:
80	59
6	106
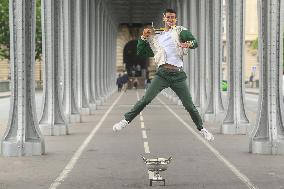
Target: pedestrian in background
119	83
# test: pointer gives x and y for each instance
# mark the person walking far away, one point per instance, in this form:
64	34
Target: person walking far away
168	49
135	83
119	83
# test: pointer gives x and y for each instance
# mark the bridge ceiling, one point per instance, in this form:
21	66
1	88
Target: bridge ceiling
136	11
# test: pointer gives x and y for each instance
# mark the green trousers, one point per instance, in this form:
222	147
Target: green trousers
164	79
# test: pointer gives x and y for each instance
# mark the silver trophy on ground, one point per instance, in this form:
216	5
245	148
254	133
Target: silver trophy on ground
155	166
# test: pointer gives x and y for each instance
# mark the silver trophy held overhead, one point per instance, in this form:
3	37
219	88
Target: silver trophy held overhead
157	165
157	30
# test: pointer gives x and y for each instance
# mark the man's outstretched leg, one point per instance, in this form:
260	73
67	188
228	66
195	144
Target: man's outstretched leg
181	89
156	86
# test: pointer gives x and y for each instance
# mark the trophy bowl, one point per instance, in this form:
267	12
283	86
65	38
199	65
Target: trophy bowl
157	165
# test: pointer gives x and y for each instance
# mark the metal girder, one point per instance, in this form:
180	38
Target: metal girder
85	82
128	11
69	100
193	53
214	105
236	121
92	55
200	92
52	119
267	136
22	136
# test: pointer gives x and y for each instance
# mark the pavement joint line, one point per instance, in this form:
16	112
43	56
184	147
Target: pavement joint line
68	168
233	168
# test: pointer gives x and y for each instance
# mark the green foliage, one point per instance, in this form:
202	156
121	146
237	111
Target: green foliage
38	30
254	44
4	29
5	33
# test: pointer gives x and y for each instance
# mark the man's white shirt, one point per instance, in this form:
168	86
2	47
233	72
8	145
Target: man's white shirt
165	41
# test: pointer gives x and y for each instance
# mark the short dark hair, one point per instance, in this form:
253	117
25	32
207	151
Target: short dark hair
169	11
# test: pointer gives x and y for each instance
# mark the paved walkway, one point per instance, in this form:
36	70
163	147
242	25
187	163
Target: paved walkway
92	156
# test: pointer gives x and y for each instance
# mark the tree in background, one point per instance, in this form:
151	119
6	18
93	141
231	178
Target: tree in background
4	29
5	33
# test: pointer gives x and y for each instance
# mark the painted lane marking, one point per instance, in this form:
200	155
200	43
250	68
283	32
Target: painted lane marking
68	168
144	135
142	125
233	168
146	147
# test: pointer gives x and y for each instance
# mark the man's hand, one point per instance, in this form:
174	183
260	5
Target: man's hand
187	44
147	32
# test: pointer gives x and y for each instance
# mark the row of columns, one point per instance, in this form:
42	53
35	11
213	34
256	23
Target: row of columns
203	66
79	40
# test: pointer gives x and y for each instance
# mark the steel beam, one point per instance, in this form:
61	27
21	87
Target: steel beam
85	106
236	121
267	136
192	53
92	56
200	93
214	105
52	119
75	114
22	136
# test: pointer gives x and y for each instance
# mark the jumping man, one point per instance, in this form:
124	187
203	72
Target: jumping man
168	49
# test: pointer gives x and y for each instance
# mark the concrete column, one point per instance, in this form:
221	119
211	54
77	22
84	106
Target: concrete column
52	119
22	136
215	105
192	53
85	107
236	121
200	93
92	55
267	136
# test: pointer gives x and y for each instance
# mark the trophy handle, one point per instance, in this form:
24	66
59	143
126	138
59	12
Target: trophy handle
144	159
169	160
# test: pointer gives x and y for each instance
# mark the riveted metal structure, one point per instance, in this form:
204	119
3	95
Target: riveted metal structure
214	105
236	121
267	136
22	136
52	120
79	53
200	91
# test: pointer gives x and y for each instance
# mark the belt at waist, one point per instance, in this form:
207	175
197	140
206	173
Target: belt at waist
171	67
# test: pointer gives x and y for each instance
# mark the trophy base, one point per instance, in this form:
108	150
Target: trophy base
157	180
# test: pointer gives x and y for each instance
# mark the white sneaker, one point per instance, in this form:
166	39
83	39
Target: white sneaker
120	125
207	135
